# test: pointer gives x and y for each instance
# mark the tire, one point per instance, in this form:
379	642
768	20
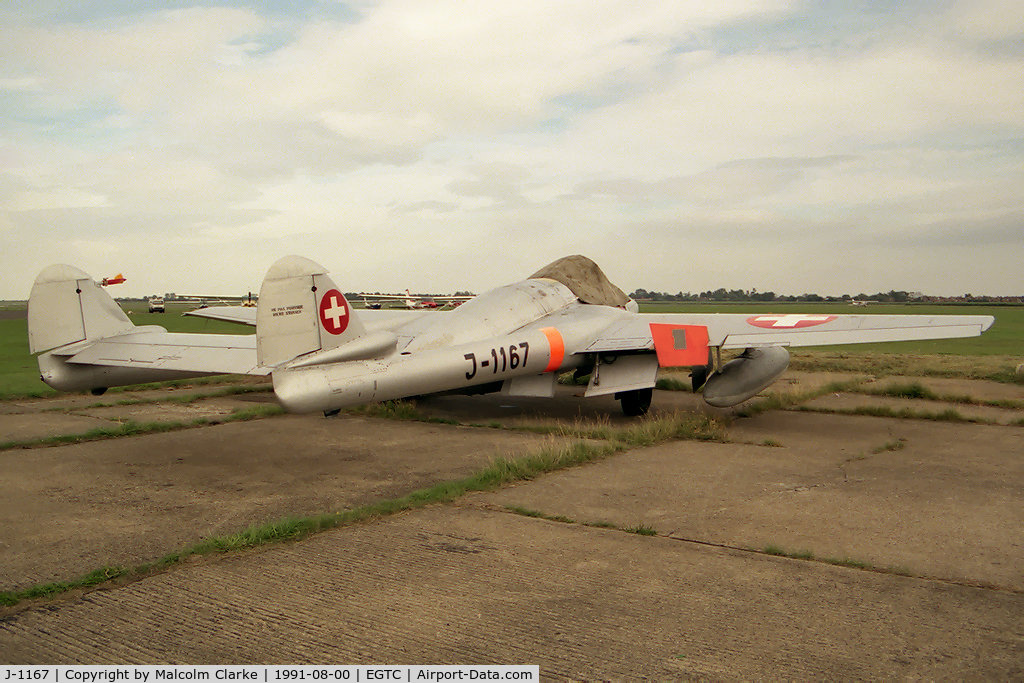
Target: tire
636	402
698	377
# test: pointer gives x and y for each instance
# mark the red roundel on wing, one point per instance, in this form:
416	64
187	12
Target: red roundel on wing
334	312
789	322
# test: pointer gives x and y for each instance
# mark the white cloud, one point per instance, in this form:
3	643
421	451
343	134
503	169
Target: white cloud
986	19
60	198
503	136
806	104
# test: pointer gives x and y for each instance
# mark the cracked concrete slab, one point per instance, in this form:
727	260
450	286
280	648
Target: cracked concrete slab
67	510
449	585
820	487
473	582
850	402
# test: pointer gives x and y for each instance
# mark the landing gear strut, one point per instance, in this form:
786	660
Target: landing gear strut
636	402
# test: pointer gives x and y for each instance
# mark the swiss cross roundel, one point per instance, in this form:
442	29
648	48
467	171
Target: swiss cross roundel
334	312
789	322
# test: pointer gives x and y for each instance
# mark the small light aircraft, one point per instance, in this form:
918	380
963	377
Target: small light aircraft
116	280
412	302
323	355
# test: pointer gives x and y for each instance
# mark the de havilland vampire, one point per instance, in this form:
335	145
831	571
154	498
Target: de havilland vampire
323	355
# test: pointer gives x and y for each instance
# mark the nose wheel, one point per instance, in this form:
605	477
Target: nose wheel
636	402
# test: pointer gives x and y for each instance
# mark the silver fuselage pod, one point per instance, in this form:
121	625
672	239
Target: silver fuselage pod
745	376
64	376
529	328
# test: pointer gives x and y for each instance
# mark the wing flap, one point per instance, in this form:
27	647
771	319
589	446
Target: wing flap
204	353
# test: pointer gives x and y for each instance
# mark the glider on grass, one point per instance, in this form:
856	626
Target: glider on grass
323	355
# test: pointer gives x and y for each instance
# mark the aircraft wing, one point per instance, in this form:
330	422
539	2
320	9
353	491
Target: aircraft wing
244	315
741	330
204	353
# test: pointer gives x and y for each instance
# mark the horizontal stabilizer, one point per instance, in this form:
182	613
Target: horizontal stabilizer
203	353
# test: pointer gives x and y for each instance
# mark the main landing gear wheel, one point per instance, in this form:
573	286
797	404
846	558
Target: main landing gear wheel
698	377
636	402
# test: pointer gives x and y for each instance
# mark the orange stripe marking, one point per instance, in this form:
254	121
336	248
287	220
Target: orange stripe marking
557	346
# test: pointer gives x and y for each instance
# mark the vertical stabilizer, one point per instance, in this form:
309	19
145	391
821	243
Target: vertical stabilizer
301	311
67	306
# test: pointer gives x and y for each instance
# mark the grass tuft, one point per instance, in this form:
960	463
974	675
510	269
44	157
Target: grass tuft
897	445
949	415
527	512
132	428
96	577
396	410
916	390
781	401
848	562
908	390
839	562
674	384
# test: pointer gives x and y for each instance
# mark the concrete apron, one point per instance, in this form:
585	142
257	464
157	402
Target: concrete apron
949	504
68	510
449	585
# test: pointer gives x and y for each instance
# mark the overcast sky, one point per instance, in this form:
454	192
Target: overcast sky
829	147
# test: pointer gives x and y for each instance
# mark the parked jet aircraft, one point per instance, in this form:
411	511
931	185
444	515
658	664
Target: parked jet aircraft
323	355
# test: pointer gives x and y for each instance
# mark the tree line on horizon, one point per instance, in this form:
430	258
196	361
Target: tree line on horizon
892	296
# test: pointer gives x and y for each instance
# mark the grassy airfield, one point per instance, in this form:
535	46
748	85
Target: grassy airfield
993	356
19	373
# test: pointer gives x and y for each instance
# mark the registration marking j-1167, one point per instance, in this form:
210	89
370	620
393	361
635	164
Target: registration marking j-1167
509	360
